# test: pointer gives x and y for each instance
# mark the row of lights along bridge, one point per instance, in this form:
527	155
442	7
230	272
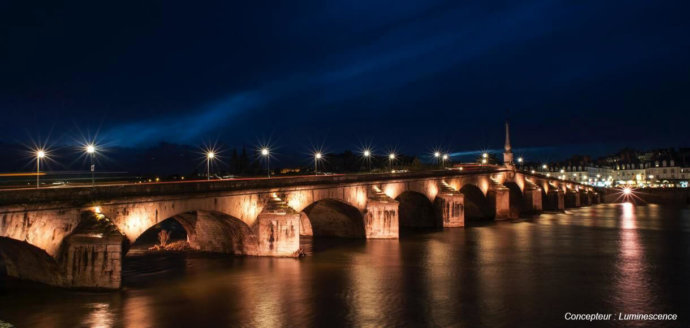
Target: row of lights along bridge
265	152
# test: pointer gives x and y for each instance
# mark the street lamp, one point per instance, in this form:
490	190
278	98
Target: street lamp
445	157
520	159
265	153
367	157
39	154
209	156
317	157
91	150
391	158
438	157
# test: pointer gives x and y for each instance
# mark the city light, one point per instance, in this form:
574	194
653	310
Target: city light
485	155
520	159
544	166
367	157
91	150
265	153
39	155
627	191
437	154
317	157
209	156
391	157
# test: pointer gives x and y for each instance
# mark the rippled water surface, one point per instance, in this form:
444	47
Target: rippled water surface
608	258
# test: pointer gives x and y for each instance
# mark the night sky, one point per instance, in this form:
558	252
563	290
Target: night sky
573	76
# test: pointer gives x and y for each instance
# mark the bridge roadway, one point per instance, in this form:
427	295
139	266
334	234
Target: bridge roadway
77	237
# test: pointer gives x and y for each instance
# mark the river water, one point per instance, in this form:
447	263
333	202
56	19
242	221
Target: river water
609	258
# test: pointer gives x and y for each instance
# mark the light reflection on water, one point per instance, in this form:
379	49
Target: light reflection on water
607	258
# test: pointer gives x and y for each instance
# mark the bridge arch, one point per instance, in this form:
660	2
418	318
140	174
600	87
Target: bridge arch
21	260
335	218
416	211
516	199
208	231
477	205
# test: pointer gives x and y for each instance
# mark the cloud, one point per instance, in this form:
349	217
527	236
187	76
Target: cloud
186	127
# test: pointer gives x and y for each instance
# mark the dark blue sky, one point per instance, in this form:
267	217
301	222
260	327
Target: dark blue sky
399	74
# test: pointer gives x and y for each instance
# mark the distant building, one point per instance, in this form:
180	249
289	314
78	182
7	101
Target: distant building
657	168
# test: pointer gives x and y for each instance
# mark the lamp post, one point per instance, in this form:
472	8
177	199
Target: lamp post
266	153
91	150
445	157
39	154
209	156
317	157
367	157
438	156
391	158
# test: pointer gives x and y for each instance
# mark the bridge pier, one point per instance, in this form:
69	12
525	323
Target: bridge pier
381	216
92	255
451	208
555	200
277	230
596	197
572	198
532	198
585	198
500	197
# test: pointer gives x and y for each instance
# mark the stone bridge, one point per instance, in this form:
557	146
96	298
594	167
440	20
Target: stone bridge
77	237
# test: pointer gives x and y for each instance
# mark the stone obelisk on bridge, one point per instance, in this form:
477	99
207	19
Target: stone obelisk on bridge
508	153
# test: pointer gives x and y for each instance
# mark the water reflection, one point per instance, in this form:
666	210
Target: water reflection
632	287
609	258
100	317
